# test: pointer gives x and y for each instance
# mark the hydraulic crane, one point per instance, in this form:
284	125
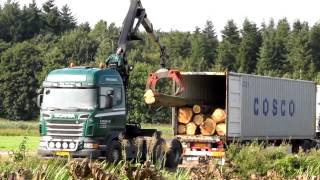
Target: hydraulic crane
137	16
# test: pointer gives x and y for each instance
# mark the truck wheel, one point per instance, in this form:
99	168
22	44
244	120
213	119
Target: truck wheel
295	145
174	154
158	152
114	153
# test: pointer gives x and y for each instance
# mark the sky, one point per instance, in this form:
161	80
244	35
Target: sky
185	15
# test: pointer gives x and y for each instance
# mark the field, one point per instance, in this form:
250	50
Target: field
13	142
253	161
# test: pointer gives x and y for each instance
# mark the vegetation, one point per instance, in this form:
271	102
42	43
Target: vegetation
260	163
9	143
19	128
272	162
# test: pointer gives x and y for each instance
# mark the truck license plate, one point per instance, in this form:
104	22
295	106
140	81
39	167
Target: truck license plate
62	153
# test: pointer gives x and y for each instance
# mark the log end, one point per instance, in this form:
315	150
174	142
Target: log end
185	115
196	109
149	97
208	127
219	115
221	129
191	128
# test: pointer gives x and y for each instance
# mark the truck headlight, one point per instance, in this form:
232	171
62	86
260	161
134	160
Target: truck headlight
58	145
72	145
65	145
51	144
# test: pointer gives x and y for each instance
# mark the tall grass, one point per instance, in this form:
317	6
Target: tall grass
253	159
257	159
19	128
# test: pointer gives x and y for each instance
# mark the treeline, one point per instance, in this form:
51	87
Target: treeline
34	41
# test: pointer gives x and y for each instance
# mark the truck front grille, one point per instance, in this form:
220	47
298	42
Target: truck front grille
65	128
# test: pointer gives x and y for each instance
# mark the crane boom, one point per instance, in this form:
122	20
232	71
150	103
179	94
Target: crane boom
135	17
130	28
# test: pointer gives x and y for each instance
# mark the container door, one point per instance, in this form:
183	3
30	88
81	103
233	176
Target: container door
234	106
318	110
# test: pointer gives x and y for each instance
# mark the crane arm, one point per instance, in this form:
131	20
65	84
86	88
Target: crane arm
137	16
130	28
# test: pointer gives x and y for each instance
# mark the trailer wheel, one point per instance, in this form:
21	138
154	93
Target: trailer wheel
114	153
174	154
306	145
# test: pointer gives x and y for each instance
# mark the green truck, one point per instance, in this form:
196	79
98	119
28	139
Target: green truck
83	114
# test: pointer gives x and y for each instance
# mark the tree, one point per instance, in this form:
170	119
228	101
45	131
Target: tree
300	57
178	46
228	48
249	47
197	61
210	43
281	41
315	44
31	21
18	83
138	111
10	22
106	38
51	17
68	21
78	46
273	52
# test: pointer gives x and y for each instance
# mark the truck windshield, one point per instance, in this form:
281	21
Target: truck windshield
63	98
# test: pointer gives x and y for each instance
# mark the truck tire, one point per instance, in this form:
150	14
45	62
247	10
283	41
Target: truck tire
306	145
114	152
158	151
174	154
295	146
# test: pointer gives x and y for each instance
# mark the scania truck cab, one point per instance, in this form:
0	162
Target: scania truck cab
82	110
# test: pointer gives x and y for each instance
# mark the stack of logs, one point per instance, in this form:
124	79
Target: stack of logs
193	121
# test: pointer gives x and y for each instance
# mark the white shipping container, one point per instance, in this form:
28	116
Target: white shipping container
318	111
257	107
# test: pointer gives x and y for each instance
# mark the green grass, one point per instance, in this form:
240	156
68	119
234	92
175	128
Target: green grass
19	128
8	143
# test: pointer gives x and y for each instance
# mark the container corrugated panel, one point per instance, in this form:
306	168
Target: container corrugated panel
258	107
318	110
273	108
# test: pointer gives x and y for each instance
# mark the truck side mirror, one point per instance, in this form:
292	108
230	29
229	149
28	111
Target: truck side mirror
39	100
106	102
110	92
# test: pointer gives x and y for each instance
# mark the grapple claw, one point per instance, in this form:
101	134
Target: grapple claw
165	73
